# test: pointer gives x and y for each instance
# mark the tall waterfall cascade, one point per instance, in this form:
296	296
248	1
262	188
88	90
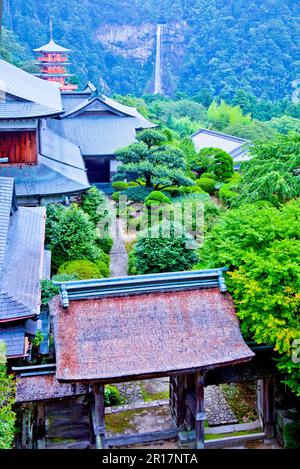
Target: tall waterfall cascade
157	82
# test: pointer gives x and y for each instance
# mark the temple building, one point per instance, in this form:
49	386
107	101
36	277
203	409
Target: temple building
53	61
22	256
43	164
237	147
100	126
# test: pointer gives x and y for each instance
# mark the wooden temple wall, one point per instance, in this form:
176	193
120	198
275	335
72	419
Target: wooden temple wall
19	147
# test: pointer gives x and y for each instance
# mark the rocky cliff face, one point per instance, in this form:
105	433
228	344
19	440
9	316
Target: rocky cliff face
137	44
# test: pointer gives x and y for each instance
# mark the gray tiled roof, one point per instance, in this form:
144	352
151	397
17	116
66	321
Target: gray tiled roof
60	170
6	201
235	146
14	338
41	180
20	124
23	109
97	135
23	264
24	86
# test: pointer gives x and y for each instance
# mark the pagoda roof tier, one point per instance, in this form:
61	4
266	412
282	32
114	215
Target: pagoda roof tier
51	47
45	74
47	62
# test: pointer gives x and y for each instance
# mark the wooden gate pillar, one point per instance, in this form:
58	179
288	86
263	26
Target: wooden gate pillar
99	421
200	411
269	406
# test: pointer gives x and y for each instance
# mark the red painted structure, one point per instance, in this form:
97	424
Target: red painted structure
53	60
19	147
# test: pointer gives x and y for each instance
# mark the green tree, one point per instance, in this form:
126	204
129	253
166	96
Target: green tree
223	114
154	167
273	172
164	248
7	400
73	237
261	246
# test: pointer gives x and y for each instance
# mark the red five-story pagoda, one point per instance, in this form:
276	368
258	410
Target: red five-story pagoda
53	61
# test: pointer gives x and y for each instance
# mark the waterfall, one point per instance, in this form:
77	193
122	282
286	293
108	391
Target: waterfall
157	82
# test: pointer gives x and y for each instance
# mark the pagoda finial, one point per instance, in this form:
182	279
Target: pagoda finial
51	28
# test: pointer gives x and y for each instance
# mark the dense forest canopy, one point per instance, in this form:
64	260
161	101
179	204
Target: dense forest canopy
218	45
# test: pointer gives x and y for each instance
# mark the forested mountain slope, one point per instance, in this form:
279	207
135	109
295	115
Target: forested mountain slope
219	45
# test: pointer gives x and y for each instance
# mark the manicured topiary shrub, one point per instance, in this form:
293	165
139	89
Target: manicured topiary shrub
190	190
83	268
208	185
157	198
208	175
136	194
120	185
103	268
151	137
164	248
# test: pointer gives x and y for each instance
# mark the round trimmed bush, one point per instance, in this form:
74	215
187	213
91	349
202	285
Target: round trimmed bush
103	268
83	268
120	185
208	175
207	184
157	198
190	190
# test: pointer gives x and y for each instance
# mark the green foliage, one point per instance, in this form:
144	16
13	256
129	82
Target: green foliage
291	435
156	198
254	132
73	237
273	173
223	114
112	396
53	213
82	268
49	290
221	165
208	175
136	194
163	248
94	203
285	124
38	339
105	244
152	167
228	192
206	184
151	137
217	55
7	400
261	246
227	195
120	185
103	268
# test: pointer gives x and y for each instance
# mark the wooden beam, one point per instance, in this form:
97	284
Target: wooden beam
99	421
142	437
200	413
